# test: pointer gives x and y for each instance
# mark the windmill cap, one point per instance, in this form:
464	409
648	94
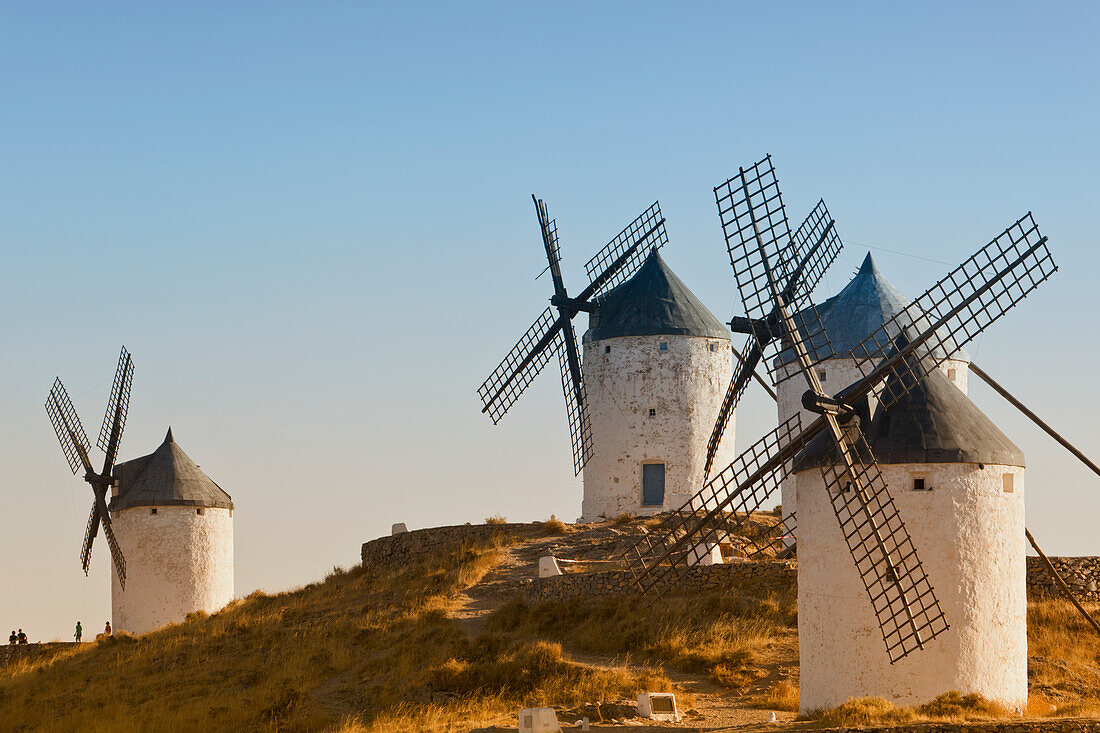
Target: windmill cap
862	307
933	423
166	477
654	302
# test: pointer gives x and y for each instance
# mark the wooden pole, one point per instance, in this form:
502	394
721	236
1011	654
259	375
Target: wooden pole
1061	583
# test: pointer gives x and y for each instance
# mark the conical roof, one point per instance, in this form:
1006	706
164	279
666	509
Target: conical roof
857	311
166	477
653	302
933	423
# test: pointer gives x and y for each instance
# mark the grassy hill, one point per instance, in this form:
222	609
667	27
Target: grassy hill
391	650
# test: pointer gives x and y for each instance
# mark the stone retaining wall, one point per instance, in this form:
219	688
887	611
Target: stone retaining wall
1082	575
411	546
1065	725
11	652
763	576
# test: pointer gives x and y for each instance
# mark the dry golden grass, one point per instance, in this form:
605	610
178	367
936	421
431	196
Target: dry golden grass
496	519
1064	657
727	635
624	518
783	695
364	650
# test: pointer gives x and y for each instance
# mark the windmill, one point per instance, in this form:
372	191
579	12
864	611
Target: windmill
812	250
75	445
892	360
551	333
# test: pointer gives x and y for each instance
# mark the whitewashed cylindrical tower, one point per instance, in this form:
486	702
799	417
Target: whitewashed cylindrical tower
958	485
867	302
656	367
175	528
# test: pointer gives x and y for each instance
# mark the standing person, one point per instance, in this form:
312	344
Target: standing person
13	638
78	633
22	637
107	629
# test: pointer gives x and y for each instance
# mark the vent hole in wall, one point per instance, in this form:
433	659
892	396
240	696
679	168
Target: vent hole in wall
1006	479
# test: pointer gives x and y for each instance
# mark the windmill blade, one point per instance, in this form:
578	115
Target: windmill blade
623	255
816	246
118	406
70	432
758	236
955	310
116	551
576	399
719	510
90	533
738	382
904	602
524	362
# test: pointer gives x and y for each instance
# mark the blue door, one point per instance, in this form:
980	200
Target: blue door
653	484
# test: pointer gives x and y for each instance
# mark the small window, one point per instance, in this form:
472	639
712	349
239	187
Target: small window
607	349
821	375
663	346
951	374
1006	479
712	347
653	412
153	510
918	485
200	511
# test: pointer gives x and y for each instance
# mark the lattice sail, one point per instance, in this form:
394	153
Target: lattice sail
118	404
66	423
520	367
952	312
632	246
580	426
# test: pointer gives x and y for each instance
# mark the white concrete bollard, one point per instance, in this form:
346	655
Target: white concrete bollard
706	555
548	567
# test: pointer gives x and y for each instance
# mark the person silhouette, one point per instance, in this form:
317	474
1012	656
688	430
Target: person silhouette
13	639
22	637
79	632
107	629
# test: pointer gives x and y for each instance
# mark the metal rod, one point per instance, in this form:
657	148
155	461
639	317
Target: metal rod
1034	418
1061	583
767	387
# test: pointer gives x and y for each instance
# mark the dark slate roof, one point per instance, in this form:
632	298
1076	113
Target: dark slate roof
934	423
861	308
166	477
653	302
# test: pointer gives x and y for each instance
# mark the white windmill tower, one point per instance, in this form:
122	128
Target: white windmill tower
176	527
959	483
924	582
169	527
655	362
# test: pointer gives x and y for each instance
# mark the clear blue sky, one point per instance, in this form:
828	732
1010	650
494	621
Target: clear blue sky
311	225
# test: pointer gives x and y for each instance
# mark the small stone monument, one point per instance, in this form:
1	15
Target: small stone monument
398	528
659	706
538	720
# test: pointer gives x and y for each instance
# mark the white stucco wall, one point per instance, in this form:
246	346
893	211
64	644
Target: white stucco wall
838	373
685	385
969	535
177	561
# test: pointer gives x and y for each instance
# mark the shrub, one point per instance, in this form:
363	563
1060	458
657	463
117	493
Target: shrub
555	525
858	711
496	519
